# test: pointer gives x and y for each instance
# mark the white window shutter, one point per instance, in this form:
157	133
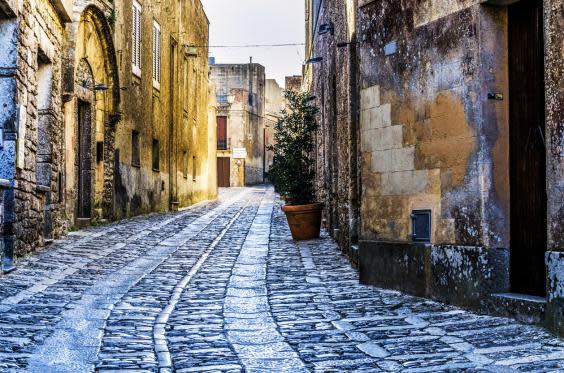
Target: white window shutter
136	38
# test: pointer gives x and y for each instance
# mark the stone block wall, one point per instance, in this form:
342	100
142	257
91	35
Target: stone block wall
36	210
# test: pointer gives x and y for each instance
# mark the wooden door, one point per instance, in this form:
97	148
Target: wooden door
84	160
223	172
527	148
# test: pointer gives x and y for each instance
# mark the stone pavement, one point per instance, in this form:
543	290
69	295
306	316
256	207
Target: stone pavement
221	287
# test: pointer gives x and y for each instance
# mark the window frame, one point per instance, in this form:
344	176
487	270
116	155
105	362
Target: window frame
156	155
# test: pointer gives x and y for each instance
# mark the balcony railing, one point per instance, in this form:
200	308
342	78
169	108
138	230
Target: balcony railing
223	144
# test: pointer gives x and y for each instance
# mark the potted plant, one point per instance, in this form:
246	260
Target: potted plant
292	172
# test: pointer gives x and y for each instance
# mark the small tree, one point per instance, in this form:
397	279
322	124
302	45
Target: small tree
292	172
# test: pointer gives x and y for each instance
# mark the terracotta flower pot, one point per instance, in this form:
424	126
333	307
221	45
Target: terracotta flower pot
304	220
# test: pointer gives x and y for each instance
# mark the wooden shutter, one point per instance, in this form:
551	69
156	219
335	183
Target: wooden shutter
222	133
156	54
136	38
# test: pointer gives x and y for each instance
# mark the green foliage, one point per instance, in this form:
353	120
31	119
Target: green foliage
292	171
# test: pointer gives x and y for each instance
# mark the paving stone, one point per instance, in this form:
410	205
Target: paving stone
221	287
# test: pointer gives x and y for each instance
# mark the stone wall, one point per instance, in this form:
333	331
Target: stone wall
433	134
333	82
554	52
71	103
32	139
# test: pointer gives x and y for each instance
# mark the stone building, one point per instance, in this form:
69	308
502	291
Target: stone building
105	114
240	107
455	143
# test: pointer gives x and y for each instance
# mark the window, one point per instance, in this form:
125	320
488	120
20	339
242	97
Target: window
135	149
136	38
194	168
156	55
221	133
156	159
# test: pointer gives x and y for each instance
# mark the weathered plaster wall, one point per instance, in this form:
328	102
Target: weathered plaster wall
430	138
235	84
175	114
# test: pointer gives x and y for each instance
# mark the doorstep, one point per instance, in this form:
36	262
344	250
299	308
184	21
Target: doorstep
527	309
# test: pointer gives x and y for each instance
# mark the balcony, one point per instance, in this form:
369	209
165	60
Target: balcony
224	144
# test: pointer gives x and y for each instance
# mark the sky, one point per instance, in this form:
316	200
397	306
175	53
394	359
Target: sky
244	22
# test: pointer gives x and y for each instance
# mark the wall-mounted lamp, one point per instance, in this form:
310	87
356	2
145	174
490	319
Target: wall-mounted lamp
326	28
100	87
95	87
314	60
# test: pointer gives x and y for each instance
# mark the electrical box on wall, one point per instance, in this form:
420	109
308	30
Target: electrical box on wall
421	225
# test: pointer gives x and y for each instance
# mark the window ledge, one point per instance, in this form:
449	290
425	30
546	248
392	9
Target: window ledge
156	170
134	165
136	71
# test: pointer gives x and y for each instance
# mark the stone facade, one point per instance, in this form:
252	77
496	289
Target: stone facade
72	104
431	81
241	90
333	83
32	40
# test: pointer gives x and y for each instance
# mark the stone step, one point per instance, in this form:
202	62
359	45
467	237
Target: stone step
83	222
525	308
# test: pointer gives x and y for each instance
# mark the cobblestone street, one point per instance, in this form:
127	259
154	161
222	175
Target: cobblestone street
222	287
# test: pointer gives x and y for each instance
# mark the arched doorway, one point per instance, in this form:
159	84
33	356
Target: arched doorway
94	107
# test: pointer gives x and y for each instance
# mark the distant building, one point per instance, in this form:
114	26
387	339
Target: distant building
240	92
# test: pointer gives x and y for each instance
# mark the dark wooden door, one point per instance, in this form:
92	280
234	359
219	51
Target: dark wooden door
527	148
222	133
223	172
84	160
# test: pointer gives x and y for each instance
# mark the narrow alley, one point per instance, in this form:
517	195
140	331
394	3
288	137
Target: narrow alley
222	287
